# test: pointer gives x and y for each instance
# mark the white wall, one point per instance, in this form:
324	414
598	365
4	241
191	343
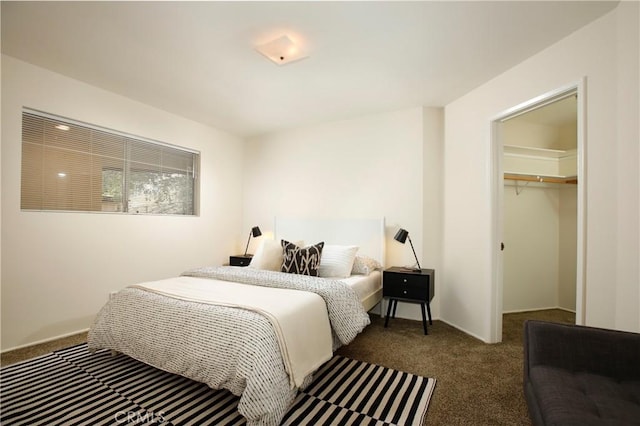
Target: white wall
533	135
540	239
531	257
432	207
58	268
365	167
627	161
0	203
567	247
606	52
380	165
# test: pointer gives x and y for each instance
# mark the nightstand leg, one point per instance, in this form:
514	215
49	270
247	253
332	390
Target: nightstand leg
424	319
386	320
395	305
429	312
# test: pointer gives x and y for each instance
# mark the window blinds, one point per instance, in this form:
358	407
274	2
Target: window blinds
76	167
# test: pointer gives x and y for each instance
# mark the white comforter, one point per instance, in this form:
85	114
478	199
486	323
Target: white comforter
299	318
222	346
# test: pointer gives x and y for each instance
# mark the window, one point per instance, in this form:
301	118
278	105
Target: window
72	166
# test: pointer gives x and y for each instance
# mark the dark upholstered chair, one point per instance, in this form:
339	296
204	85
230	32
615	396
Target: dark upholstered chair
581	376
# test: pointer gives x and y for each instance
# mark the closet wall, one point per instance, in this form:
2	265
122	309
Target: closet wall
540	218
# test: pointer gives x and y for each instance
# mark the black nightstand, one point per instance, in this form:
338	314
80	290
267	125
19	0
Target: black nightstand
405	285
240	260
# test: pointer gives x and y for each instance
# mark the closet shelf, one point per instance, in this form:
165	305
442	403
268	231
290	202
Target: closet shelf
528	151
542	178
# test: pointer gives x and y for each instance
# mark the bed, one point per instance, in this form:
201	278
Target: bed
251	330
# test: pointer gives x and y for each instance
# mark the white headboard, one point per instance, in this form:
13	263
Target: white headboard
367	234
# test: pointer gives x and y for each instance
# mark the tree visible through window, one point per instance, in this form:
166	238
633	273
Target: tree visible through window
154	192
76	167
112	184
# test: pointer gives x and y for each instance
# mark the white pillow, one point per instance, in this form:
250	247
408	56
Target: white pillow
365	265
337	261
269	255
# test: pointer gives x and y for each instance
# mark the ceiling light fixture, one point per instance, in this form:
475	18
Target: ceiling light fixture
282	50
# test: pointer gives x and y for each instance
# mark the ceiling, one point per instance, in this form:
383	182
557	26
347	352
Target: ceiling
560	113
197	59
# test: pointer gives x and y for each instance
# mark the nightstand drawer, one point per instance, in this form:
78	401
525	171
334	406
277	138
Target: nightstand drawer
405	279
240	260
405	291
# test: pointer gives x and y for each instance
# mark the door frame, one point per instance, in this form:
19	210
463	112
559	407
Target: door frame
497	200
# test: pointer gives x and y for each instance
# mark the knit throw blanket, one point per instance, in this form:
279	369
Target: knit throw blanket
346	313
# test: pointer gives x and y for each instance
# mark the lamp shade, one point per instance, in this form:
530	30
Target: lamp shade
401	235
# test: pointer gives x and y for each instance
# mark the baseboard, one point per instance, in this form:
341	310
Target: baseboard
47	340
377	309
510	312
475	336
518	311
401	312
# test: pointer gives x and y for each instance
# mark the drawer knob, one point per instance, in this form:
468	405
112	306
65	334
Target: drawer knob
404	291
405	280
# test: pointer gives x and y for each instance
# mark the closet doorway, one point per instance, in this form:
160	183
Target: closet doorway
538	211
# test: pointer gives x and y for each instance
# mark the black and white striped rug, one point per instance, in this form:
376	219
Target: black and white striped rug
72	387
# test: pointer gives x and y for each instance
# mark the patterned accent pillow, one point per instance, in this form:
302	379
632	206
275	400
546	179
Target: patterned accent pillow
301	260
